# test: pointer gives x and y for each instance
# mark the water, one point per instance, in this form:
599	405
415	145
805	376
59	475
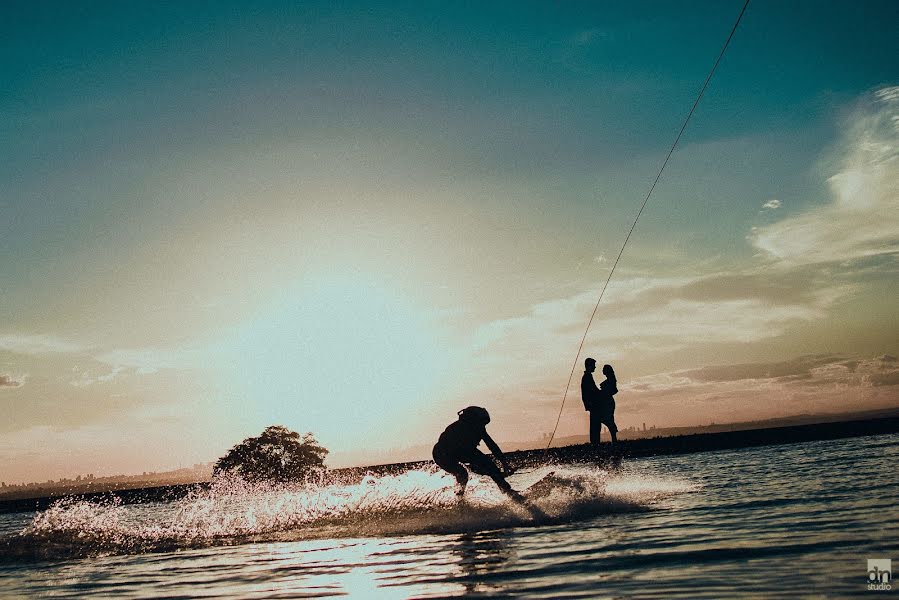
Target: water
781	521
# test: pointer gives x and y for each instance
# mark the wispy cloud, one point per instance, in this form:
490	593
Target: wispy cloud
815	368
87	378
862	217
145	361
797	368
649	316
720	307
823	383
38	344
141	361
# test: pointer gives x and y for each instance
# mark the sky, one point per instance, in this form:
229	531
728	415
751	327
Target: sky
355	220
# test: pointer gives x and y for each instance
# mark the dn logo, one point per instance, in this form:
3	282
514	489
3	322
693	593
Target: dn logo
880	573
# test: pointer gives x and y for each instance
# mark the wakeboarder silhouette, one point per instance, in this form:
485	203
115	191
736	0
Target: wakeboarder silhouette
458	446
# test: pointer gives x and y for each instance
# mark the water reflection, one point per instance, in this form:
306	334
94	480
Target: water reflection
479	555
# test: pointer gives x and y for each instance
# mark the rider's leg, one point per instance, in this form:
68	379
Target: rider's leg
482	464
452	466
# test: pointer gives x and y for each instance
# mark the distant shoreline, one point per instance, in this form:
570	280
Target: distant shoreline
581	453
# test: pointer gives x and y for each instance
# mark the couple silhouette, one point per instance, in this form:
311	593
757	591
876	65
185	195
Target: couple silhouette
600	401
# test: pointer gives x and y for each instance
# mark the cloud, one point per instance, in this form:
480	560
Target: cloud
68	385
139	360
721	307
7	381
87	378
811	371
647	317
806	384
145	361
862	217
127	361
38	344
797	368
771	204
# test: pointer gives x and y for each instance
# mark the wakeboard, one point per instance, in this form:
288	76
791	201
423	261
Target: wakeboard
552	482
542	487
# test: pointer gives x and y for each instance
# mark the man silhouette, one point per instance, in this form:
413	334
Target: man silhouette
598	403
458	446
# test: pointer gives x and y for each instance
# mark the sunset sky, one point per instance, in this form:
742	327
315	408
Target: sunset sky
356	220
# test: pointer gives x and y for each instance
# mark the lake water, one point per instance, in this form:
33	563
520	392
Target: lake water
779	521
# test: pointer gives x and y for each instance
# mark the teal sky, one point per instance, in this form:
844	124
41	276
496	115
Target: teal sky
355	220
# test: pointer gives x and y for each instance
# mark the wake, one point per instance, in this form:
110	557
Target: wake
414	502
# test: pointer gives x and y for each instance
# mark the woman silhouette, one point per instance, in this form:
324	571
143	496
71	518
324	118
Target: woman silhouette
608	388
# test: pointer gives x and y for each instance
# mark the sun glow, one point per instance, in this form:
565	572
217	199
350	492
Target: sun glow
344	355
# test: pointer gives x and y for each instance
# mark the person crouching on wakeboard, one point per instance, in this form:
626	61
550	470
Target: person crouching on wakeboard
458	446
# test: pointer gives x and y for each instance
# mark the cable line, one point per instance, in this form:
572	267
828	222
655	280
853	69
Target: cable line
640	212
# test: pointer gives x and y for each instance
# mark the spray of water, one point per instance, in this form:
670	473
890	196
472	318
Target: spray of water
233	511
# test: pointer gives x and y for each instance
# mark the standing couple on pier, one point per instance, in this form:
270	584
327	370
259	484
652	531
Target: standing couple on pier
600	401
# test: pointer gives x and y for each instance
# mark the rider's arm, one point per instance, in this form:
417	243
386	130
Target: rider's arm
496	451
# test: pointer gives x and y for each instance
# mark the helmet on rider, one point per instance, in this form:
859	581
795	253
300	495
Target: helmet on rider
474	414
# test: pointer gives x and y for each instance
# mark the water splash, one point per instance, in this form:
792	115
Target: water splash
232	511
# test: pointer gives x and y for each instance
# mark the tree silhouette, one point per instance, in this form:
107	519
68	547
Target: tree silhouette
278	454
